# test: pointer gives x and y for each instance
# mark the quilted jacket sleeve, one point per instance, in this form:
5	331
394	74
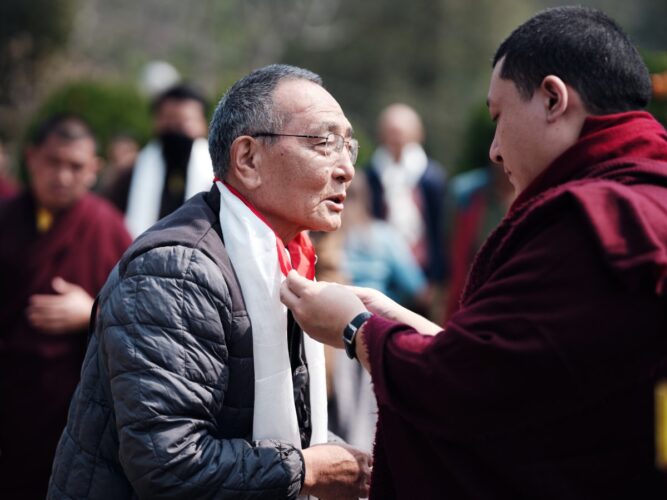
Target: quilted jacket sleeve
163	345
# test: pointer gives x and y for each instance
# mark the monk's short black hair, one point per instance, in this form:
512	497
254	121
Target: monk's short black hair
65	126
583	47
180	92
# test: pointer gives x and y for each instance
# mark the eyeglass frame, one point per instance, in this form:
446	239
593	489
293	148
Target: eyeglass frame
350	141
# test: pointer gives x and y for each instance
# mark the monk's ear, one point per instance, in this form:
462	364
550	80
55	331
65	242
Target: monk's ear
556	97
29	154
92	170
245	160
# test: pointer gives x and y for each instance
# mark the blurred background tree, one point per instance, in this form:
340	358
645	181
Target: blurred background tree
432	54
657	65
111	109
31	34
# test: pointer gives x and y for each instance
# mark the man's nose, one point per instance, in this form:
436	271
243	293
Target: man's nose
494	153
344	171
65	175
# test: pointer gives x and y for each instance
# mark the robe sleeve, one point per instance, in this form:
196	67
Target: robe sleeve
530	344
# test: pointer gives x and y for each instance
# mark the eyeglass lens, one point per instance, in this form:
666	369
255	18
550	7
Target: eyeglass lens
336	143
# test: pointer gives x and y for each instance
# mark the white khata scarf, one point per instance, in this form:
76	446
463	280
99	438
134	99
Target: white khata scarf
399	180
145	194
261	263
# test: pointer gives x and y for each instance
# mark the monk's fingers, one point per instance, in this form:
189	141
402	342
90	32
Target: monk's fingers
55	327
61	286
298	284
45	300
366	295
37	311
288	297
42	315
50	310
49	321
42	319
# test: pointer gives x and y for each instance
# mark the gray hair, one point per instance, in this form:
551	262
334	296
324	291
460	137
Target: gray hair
248	108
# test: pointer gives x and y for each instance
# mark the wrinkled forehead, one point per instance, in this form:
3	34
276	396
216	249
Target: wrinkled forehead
310	108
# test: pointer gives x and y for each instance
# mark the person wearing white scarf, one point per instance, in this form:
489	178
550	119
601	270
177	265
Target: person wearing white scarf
172	167
209	386
252	247
148	180
408	188
277	180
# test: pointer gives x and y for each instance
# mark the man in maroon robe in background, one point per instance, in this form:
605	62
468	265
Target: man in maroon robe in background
58	243
542	384
7	185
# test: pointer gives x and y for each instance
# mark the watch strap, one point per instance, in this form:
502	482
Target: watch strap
350	333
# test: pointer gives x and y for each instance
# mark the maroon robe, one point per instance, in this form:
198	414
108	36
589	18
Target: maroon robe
542	384
7	188
39	371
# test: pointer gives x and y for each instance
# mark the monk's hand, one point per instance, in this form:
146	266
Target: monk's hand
322	309
377	302
66	311
336	471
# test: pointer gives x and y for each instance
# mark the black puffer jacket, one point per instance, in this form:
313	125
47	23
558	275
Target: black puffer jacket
164	408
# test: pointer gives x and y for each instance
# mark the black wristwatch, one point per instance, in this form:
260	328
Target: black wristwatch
350	333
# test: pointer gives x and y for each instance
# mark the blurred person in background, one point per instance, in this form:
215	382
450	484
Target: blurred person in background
477	201
408	189
121	156
210	388
543	384
8	186
171	168
329	250
374	255
58	243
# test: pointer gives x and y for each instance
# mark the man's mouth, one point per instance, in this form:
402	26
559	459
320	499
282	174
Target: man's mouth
336	201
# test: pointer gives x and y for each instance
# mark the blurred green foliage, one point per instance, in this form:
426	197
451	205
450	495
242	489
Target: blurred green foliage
30	32
657	65
111	109
431	54
477	138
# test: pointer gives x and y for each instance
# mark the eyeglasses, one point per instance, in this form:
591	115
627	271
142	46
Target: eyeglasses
332	143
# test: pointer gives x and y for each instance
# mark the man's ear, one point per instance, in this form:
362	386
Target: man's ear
556	97
245	158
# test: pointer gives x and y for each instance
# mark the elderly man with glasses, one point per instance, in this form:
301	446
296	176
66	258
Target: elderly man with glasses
198	383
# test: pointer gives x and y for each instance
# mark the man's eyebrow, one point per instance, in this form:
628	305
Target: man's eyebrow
334	127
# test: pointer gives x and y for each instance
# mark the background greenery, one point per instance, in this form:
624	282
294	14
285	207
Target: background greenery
432	54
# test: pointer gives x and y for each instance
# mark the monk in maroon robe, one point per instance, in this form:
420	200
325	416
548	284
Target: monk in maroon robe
542	385
58	243
7	185
7	188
